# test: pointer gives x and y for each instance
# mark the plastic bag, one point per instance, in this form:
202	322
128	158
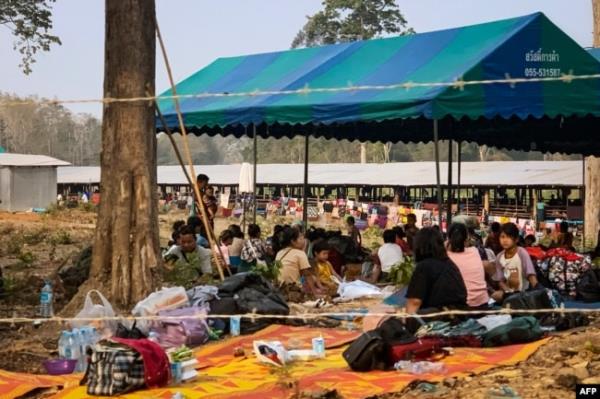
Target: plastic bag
106	328
165	299
357	289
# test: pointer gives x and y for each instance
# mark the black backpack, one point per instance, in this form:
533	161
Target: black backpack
371	351
368	352
588	288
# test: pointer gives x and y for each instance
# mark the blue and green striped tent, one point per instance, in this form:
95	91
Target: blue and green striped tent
595	52
553	116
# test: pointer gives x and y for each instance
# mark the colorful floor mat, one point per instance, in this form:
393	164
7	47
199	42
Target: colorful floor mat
224	376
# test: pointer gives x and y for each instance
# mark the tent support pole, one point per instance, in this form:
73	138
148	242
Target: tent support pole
459	166
255	154
305	189
449	210
582	194
437	170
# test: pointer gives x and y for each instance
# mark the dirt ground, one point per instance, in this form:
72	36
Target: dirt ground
34	247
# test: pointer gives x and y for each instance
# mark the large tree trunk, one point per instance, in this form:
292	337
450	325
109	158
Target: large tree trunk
126	245
592	165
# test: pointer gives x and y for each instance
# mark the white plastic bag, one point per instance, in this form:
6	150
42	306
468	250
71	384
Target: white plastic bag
105	328
357	289
165	299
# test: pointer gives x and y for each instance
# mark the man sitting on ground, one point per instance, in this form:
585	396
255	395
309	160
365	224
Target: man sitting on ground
188	253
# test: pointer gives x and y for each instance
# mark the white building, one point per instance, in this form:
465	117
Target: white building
27	181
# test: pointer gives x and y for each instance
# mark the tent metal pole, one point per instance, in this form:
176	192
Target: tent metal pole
459	166
582	194
449	210
437	170
305	189
255	154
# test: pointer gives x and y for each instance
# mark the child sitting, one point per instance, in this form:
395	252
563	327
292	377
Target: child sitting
514	269
324	269
175	233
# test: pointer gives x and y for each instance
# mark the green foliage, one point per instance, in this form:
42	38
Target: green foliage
268	271
26	259
350	20
30	22
87	207
401	273
12	285
61	237
372	238
34	237
185	273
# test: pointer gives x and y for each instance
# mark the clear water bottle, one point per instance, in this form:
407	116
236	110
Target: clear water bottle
73	351
64	351
79	340
46	300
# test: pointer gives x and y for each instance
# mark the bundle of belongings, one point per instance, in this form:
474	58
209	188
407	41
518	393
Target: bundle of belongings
395	340
121	365
563	270
246	293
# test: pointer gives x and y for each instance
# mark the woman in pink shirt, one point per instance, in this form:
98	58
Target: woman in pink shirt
469	263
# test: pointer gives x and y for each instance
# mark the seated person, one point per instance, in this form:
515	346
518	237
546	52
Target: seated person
235	249
530	241
470	265
175	232
295	268
389	253
323	268
353	231
189	252
514	269
436	282
254	249
401	240
225	240
196	223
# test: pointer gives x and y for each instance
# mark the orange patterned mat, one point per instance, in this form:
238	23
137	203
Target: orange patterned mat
224	376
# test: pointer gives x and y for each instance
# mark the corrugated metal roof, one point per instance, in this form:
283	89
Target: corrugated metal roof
529	173
8	159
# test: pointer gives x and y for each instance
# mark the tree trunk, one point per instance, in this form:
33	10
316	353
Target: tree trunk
126	245
592	166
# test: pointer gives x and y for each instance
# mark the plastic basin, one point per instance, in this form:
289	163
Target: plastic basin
60	366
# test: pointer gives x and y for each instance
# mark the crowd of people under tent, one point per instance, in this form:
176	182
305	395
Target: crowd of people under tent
457	269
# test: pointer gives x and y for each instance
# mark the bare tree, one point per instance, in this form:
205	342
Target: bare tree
592	165
126	245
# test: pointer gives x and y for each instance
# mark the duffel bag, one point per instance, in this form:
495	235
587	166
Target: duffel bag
519	330
114	369
192	331
366	353
420	349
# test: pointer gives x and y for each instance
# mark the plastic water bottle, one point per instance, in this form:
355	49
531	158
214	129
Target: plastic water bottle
70	346
318	345
46	300
64	351
80	340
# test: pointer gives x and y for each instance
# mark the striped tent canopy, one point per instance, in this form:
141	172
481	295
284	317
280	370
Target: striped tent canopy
547	116
595	52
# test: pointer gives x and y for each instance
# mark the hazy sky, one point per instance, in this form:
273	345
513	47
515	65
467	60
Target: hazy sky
198	31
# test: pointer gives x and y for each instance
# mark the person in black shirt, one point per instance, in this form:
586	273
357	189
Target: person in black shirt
436	281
